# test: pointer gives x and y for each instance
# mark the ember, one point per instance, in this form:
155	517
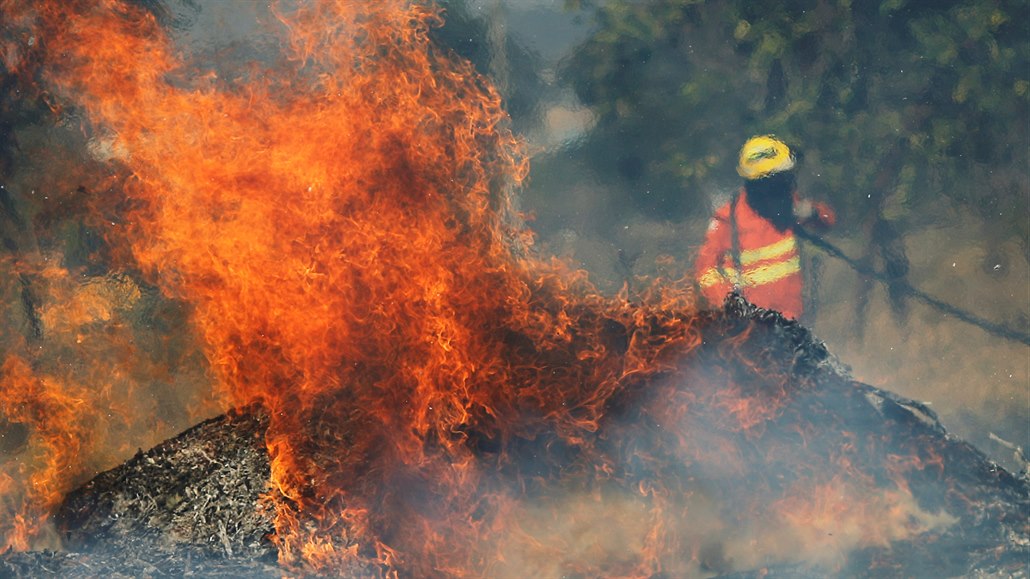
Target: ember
435	399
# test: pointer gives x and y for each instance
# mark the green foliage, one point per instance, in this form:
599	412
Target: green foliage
896	103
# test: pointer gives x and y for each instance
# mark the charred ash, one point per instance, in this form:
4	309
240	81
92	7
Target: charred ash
194	506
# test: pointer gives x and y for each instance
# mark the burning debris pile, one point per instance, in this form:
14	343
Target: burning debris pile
829	477
189	506
423	393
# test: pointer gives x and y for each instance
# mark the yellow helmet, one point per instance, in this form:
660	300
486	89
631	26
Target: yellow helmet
762	156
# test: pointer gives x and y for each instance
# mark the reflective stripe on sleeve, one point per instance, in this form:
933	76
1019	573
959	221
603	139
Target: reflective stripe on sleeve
771	272
712	276
763	274
775	250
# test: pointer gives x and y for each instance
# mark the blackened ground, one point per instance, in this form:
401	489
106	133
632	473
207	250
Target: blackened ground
123	564
190	506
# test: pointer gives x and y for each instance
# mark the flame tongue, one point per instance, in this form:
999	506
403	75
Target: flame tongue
346	238
343	230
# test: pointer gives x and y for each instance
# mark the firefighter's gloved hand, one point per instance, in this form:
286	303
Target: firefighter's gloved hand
824	214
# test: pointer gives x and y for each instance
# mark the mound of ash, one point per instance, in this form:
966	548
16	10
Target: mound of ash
193	505
189	506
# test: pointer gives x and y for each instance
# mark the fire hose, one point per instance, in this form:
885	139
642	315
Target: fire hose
902	285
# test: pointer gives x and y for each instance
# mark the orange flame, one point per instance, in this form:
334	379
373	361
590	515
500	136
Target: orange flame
347	238
343	227
42	401
77	383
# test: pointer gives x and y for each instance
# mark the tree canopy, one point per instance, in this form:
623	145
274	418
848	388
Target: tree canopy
895	103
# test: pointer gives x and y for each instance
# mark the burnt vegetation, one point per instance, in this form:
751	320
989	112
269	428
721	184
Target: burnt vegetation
193	506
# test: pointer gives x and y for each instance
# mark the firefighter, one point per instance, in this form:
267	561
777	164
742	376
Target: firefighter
751	244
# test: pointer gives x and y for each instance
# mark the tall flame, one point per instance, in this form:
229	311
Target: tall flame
344	229
346	235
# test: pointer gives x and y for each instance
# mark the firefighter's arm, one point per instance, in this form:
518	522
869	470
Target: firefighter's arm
714	286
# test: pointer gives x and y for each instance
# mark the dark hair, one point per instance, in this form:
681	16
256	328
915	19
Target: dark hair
772	198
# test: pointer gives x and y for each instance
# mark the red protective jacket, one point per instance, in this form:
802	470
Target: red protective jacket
768	259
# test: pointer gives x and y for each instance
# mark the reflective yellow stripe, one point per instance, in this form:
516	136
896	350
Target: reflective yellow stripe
771	251
760	275
713	276
769	273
